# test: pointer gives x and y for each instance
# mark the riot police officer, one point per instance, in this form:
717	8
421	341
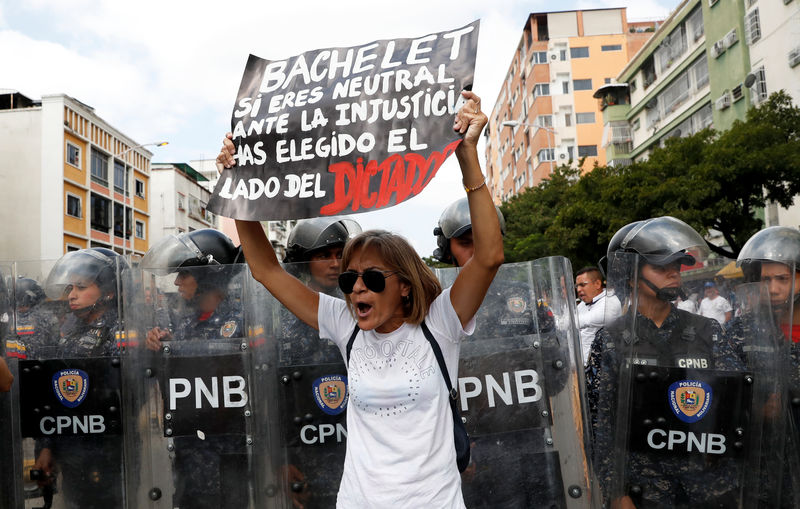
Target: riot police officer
204	320
635	354
35	326
772	256
313	255
90	466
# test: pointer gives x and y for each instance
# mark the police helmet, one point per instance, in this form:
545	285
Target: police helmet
27	292
310	235
96	265
196	248
455	221
659	241
774	244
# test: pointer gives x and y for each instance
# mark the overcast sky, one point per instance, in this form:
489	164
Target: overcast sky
170	70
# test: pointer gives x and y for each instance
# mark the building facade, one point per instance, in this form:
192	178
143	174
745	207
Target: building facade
545	114
69	180
179	200
705	66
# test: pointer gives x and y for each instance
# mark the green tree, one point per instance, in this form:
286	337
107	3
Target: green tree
712	180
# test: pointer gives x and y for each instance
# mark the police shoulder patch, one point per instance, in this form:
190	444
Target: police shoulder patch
330	393
690	400
71	386
228	329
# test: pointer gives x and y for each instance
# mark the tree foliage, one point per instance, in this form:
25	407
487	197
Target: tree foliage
712	180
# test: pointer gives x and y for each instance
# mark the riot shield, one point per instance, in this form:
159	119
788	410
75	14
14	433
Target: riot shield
66	417
193	413
688	414
520	391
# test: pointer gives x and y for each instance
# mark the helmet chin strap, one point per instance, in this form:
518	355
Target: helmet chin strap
666	294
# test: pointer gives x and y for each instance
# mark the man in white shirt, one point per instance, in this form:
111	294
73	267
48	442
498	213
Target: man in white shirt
714	306
595	307
690	304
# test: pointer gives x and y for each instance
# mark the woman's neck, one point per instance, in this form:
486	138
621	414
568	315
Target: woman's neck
655	309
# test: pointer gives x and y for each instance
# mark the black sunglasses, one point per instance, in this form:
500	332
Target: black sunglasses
374	279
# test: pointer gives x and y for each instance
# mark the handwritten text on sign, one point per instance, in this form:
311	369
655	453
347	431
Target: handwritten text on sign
336	131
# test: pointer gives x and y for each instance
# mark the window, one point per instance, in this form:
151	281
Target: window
121	178
587	150
632	85
544	120
72	247
636	124
584	118
541	89
562	55
694	24
122	222
139	188
539	57
101	213
606	80
758	92
565	87
73	205
611	47
73	155
579	52
676	94
700	70
546	154
181	202
567	119
99	167
140	231
582	84
752	26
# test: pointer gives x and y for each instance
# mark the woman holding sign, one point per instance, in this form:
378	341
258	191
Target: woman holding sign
400	449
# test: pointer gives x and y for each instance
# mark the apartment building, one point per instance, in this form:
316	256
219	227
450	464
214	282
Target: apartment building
706	65
179	200
545	114
69	180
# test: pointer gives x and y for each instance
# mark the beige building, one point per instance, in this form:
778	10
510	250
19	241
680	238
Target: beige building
69	180
545	114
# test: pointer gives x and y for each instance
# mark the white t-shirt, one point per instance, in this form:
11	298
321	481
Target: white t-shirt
715	309
400	450
591	318
688	305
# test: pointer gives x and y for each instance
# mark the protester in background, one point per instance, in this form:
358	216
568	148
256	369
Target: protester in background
594	308
714	305
689	304
400	448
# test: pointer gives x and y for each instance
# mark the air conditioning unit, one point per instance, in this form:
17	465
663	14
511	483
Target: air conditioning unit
553	55
794	57
731	38
562	156
723	102
718	49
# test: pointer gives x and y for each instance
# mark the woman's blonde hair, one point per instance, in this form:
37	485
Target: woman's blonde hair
397	254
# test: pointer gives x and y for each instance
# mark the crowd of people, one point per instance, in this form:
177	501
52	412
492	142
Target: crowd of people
365	298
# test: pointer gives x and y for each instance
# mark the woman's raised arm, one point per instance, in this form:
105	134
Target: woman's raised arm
473	280
290	291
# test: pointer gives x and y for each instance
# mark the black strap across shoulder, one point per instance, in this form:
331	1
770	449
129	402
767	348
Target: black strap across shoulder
442	366
350	343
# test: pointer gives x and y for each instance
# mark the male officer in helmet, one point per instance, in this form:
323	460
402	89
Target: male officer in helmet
203	321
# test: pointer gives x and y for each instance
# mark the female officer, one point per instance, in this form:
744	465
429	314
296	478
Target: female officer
400	440
91	466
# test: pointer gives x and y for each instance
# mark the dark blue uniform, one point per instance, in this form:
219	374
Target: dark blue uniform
658	480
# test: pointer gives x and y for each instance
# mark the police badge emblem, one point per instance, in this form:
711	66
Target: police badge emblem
330	393
71	386
690	400
228	329
516	305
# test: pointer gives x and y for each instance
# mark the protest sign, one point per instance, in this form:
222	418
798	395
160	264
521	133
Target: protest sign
343	130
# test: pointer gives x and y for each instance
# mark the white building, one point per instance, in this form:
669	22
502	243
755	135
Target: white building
179	200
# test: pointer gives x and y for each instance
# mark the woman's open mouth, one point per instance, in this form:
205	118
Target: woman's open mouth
363	309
